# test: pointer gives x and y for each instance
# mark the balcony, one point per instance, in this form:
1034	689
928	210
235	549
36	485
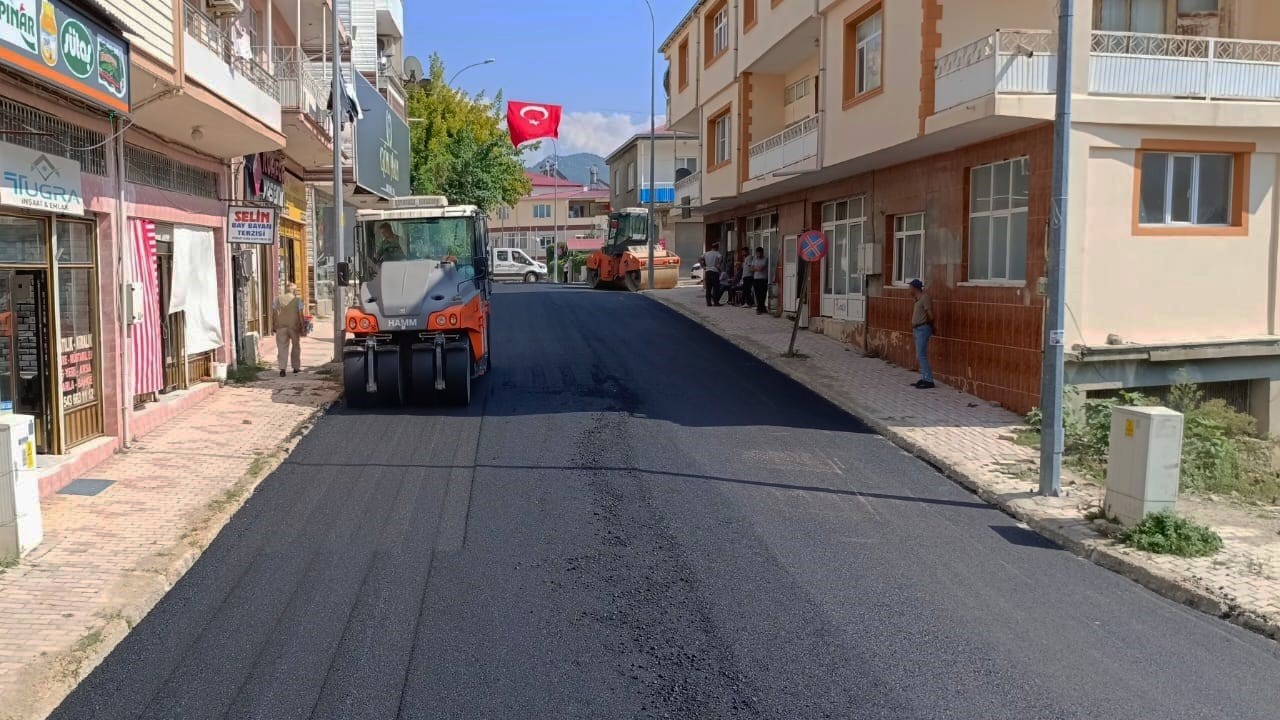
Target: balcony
393	90
1179	66
689	188
1004	62
664	192
785	149
210	59
391	18
304	100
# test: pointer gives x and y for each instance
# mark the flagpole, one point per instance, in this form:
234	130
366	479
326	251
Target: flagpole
339	252
555	210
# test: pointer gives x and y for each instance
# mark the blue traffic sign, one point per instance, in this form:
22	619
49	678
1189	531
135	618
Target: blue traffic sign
813	246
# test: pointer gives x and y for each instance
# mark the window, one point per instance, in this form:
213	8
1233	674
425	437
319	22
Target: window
863	54
719	151
504	256
908	248
1138	16
1185	189
998	198
797	90
762	231
687	163
682	64
716	22
631	176
542	211
577	211
77	306
843	223
504	212
748	15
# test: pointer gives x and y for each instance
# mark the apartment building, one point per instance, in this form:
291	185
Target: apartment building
676	156
130	132
918	135
555	210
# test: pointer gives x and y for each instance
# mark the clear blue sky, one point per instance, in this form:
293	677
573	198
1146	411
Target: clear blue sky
588	55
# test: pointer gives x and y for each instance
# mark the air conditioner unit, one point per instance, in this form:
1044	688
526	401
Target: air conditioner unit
219	8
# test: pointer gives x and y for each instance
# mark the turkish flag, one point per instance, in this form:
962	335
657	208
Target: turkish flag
532	121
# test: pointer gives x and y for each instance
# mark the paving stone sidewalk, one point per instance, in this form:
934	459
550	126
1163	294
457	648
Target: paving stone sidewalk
107	559
971	441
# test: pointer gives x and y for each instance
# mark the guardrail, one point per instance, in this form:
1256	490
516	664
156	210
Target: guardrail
204	31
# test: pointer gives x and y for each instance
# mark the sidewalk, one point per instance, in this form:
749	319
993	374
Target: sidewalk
108	558
970	441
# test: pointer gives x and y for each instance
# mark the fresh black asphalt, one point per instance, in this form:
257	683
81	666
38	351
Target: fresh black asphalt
635	519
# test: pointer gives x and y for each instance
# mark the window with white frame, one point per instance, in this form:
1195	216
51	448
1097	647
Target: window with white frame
762	231
631	176
844	223
720	31
542	210
797	90
1186	188
908	248
722	140
998	221
687	163
504	213
868	54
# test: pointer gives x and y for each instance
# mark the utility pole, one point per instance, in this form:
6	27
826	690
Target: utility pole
339	252
653	141
1051	373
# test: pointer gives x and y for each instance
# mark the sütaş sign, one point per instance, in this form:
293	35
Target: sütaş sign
67	48
39	181
252	225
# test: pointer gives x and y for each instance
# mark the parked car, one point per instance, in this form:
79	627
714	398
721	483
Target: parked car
514	264
695	272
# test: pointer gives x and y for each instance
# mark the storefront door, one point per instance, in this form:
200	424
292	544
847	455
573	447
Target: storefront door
24	349
843	294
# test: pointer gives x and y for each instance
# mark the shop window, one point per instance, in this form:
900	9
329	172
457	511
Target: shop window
24	240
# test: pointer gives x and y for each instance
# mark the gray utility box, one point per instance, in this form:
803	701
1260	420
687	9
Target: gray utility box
1145	462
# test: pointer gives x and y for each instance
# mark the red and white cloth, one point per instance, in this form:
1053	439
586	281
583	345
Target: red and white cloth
148	355
532	121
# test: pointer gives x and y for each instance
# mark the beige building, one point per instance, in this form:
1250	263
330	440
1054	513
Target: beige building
676	166
555	209
918	136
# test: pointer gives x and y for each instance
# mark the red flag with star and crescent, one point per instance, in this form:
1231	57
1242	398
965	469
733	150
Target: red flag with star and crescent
532	121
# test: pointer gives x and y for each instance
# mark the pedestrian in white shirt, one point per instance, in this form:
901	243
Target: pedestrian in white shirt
759	267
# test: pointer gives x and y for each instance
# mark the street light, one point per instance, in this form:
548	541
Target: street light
653	141
486	61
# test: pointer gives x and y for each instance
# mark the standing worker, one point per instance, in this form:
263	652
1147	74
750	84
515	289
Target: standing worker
286	314
711	274
759	266
922	330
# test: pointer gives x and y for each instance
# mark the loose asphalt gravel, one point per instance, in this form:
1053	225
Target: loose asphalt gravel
634	519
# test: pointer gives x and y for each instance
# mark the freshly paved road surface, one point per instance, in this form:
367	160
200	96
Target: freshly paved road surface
637	520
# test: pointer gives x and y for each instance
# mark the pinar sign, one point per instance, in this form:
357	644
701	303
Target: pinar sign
252	225
72	49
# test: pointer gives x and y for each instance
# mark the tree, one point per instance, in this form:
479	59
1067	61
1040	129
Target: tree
460	148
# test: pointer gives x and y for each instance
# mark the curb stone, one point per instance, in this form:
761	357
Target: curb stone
1075	537
155	583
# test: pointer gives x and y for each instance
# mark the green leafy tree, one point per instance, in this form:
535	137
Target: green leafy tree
460	148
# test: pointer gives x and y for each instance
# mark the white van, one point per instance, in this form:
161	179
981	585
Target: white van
514	264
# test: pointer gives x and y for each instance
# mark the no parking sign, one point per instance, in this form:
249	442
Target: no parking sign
813	246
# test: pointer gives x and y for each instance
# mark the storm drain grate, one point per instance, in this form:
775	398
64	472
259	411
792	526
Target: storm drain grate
86	486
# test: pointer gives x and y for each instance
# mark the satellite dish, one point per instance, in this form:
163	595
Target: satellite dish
413	69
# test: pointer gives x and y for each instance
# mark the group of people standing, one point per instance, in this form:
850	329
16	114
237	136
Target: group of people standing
742	275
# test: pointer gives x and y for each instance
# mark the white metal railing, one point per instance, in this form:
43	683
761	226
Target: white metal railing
688	181
795	143
300	88
204	31
1181	66
1006	61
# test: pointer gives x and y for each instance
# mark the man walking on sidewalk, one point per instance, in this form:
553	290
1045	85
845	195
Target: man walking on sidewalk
922	329
286	314
711	273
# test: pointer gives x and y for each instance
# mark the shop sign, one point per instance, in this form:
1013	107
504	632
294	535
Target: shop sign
252	225
295	199
67	49
264	177
382	145
77	371
39	181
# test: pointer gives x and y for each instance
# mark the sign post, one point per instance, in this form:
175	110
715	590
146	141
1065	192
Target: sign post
813	247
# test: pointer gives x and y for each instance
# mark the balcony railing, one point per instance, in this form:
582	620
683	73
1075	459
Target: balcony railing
792	145
688	184
208	34
664	192
1181	66
1006	61
300	88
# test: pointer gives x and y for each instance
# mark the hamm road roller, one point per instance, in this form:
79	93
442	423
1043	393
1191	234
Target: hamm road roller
623	261
417	331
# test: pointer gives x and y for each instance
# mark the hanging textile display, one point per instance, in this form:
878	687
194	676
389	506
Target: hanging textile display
195	287
148	360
